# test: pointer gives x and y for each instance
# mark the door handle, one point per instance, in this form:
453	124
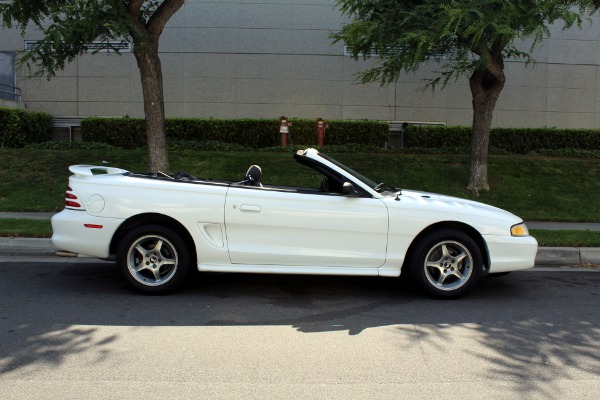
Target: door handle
250	208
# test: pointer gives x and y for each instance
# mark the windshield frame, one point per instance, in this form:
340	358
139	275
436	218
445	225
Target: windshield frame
370	183
349	170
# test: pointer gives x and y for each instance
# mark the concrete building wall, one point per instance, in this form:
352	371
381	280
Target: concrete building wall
231	59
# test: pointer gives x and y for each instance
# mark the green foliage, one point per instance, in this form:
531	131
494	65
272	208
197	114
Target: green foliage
546	141
461	36
523	141
552	238
53	145
209	145
437	136
25	228
349	148
566	153
19	127
129	133
67	29
534	188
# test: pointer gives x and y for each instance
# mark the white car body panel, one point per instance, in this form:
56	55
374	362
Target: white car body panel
270	229
284	228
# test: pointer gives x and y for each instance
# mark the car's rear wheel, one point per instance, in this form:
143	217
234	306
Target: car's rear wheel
153	259
446	263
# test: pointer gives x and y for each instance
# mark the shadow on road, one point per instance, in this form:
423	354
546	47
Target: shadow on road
530	323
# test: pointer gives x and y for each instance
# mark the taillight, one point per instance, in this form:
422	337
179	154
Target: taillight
71	200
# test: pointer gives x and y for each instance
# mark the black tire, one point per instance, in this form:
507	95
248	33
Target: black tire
446	264
153	259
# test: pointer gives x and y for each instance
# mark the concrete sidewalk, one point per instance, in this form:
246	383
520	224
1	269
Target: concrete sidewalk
545	256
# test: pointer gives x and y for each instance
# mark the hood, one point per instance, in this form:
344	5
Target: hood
432	202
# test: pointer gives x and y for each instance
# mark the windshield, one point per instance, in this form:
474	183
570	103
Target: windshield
382	188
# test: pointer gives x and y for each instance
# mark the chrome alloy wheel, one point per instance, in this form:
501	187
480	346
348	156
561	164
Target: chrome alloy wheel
448	265
152	260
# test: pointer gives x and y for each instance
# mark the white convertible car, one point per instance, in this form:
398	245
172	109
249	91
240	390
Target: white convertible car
158	226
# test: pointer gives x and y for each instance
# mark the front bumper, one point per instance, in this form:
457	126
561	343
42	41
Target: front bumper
511	253
81	233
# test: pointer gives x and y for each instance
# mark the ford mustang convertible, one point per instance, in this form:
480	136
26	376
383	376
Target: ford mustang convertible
160	226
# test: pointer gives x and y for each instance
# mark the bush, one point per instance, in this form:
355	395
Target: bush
129	133
511	140
210	145
566	153
523	141
19	127
70	146
330	149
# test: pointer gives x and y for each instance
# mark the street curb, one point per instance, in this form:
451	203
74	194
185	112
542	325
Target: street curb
26	247
545	256
567	255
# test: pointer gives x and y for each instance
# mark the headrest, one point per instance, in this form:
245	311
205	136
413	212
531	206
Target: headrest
253	175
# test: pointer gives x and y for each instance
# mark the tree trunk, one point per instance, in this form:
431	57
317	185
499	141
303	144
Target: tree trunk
145	31
154	107
485	89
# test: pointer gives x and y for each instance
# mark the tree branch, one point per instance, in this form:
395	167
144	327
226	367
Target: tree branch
134	6
492	58
161	16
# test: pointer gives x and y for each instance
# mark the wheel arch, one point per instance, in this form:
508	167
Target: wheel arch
460	226
154	219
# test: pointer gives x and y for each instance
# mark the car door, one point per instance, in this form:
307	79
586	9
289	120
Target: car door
289	227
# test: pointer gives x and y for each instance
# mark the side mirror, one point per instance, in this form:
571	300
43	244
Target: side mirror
349	190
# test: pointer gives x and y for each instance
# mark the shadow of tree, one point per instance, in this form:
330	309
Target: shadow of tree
530	329
52	347
533	355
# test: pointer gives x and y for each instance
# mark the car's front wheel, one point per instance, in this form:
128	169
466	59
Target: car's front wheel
446	263
153	259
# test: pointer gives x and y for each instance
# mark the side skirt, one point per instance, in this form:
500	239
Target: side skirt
292	270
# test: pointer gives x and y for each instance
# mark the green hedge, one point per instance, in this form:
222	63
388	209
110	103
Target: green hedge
129	133
19	127
512	140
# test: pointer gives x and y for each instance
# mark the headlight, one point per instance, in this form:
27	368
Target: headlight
519	230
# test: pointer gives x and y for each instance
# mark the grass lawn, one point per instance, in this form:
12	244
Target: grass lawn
534	188
25	228
547	238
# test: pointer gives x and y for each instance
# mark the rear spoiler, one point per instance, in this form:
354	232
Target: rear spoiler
87	171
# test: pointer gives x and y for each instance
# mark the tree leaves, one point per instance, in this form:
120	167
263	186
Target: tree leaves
459	34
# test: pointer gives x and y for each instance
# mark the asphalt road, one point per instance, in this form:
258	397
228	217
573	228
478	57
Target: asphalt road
74	331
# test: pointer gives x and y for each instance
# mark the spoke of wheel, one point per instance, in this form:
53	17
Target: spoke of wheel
459	258
141	267
168	261
141	250
458	274
435	264
445	251
158	247
440	281
156	272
